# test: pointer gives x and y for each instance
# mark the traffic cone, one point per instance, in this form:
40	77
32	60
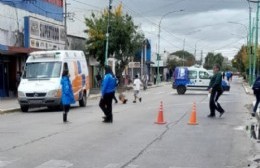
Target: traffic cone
193	118
160	119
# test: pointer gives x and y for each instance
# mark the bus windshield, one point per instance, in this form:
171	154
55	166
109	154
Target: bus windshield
38	70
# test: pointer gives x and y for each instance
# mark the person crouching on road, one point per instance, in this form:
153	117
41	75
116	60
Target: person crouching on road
215	90
137	85
107	93
67	96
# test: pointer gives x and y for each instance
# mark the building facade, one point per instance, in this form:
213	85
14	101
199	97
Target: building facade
26	26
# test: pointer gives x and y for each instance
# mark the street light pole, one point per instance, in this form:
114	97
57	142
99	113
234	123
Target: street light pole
158	48
256	38
249	45
183	52
256	41
108	29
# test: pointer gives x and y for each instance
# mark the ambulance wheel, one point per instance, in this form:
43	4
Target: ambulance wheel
24	108
181	89
83	101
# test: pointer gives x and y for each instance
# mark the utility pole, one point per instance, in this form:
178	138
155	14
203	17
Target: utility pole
256	41
249	46
201	58
195	51
158	79
65	24
183	52
108	29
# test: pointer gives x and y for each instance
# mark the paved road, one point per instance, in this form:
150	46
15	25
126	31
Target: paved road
39	139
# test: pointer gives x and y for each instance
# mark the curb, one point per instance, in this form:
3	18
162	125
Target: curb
246	90
9	110
91	97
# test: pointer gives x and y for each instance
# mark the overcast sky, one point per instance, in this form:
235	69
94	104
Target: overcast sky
210	25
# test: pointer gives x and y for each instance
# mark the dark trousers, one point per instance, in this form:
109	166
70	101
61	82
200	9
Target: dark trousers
213	102
106	105
257	96
66	110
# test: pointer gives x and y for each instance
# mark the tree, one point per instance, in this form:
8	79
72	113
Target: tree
212	59
124	38
186	58
240	60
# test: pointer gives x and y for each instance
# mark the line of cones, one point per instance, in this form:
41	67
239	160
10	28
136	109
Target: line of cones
193	116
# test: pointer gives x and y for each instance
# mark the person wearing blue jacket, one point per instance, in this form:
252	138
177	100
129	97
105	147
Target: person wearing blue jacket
67	96
107	93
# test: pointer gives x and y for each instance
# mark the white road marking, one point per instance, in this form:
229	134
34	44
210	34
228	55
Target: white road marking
116	165
112	165
55	164
239	128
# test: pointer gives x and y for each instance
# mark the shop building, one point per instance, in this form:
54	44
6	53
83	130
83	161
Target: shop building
26	26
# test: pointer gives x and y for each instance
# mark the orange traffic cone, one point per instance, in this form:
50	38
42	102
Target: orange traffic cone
160	115
193	118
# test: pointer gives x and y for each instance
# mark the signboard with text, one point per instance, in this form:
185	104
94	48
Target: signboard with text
43	35
134	65
47	8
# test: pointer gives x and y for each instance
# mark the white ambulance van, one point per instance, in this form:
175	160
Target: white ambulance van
40	81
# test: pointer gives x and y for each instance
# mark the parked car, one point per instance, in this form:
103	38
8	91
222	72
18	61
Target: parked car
193	78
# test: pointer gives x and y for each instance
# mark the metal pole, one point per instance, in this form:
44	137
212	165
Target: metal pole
158	51
142	63
249	45
65	24
107	33
256	42
158	54
183	52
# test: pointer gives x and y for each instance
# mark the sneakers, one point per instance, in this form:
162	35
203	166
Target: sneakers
221	113
134	101
211	116
140	99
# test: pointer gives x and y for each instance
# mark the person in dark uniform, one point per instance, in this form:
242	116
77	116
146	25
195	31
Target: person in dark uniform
107	94
215	90
256	89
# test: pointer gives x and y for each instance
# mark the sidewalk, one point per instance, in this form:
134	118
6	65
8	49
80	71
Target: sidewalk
247	88
11	104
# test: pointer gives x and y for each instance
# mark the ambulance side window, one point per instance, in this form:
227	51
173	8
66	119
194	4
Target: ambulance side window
203	75
192	74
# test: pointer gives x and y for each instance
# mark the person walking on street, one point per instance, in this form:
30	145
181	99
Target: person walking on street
137	85
215	90
223	75
67	96
107	93
256	89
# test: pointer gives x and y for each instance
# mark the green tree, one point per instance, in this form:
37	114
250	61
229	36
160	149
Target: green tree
212	59
240	61
124	38
187	59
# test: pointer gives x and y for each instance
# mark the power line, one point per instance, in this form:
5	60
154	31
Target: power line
84	3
